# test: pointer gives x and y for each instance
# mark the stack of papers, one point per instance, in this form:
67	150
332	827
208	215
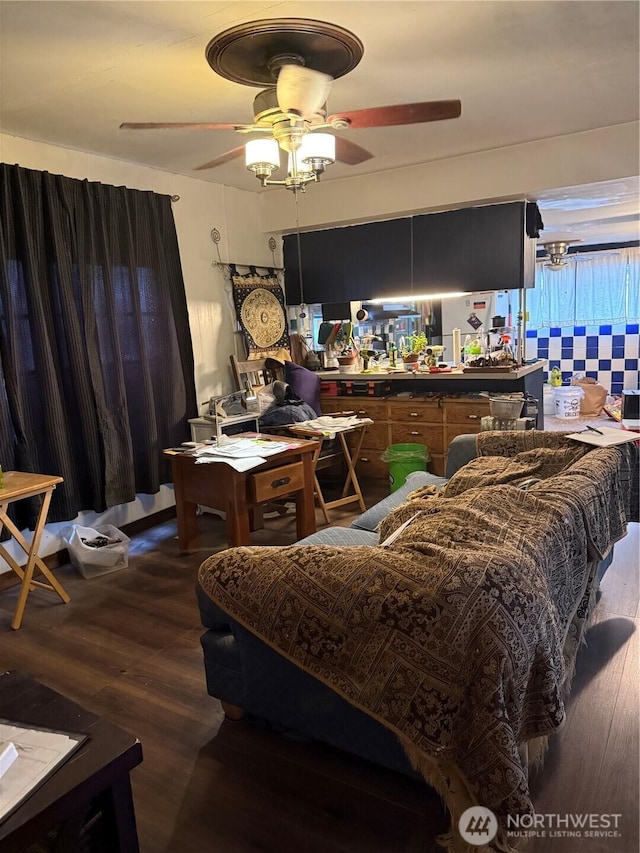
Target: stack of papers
38	752
8	754
329	426
241	454
604	436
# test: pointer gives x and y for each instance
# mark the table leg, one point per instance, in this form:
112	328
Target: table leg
351	466
316	484
33	560
124	816
305	506
237	510
186	512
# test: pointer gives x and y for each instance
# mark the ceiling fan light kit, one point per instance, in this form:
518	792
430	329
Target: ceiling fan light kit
297	59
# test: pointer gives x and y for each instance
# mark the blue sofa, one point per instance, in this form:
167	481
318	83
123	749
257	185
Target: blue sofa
254	681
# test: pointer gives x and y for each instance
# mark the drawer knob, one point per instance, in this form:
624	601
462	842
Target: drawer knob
283	481
414	432
364	459
473	417
413	415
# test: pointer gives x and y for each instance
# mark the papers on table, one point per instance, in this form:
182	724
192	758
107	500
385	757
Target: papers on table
241	454
8	754
604	436
39	754
330	426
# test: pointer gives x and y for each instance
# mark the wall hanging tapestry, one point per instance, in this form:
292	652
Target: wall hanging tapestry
260	309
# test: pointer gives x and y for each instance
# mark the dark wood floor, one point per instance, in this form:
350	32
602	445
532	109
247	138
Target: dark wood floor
127	647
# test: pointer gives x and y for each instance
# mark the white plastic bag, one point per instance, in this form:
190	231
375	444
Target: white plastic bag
93	561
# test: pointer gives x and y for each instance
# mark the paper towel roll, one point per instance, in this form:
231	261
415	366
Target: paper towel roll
457	345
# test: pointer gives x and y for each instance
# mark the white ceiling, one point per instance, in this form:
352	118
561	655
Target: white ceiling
71	72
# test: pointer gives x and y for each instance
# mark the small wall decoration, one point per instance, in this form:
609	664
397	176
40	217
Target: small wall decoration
474	321
260	310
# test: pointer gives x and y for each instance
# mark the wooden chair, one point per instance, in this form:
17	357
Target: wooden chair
255	371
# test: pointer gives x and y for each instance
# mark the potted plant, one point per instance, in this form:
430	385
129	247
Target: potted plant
414	345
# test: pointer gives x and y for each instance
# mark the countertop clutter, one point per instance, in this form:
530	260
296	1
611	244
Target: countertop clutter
508	374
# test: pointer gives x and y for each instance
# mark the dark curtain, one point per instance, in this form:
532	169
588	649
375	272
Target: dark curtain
96	360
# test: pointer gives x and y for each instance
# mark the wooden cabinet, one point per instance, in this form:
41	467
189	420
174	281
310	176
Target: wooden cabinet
418	421
432	421
376	438
463	416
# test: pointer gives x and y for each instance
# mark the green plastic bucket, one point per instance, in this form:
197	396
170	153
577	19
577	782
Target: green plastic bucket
403	459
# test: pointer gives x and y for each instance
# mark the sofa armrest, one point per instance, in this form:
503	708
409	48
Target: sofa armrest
371	518
462	449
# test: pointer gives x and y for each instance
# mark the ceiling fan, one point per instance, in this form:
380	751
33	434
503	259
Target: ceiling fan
297	59
557	254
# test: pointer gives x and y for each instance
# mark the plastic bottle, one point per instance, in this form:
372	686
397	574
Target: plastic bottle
467	348
392	354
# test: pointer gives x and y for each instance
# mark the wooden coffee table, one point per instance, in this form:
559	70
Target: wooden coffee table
86	804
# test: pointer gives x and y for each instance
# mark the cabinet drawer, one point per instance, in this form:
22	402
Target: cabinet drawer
467	411
419	433
376	436
436	466
331	404
374	409
276	482
418	410
461	429
369	464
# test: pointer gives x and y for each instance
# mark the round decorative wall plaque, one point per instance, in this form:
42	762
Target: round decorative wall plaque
263	318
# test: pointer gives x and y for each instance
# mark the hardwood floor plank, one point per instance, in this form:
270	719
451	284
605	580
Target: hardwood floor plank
621	583
617	789
577	755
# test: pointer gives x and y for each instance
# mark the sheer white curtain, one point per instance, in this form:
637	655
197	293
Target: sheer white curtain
633	290
587	293
601	290
552	302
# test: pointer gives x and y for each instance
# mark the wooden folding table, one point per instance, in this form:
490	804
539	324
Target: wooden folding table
17	486
351	491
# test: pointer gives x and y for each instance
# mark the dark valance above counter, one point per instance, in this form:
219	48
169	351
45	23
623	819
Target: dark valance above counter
479	248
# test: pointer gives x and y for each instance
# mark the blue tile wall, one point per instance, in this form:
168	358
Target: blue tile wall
610	354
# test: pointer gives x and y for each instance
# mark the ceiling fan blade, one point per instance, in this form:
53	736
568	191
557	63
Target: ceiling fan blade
350	153
400	114
302	90
223	158
178	125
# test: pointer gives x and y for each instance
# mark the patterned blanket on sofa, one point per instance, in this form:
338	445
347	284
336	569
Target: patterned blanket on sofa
459	635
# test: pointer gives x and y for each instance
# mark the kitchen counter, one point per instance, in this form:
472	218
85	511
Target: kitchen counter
527	379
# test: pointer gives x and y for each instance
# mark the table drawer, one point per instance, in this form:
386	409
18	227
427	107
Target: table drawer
419	433
276	482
